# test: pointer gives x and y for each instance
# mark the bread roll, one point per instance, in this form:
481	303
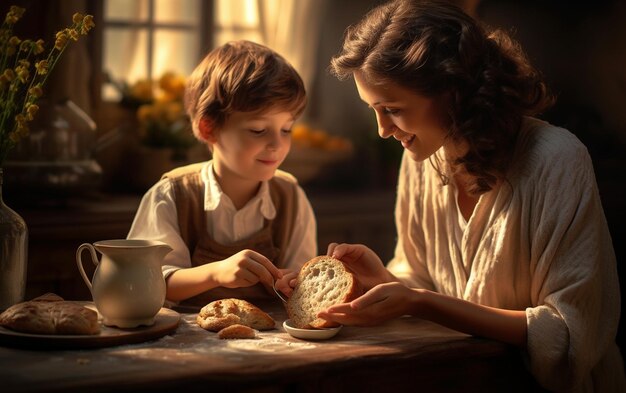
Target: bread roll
322	282
50	314
236	331
220	314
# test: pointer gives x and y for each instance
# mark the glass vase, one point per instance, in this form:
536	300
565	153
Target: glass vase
13	255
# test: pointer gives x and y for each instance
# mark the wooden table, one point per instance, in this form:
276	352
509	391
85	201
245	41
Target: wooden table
407	354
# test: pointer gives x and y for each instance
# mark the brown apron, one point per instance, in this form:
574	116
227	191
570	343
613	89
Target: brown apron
271	241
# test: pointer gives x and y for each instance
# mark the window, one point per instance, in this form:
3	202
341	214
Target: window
145	38
142	39
237	20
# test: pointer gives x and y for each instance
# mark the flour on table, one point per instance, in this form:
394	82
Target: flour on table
269	343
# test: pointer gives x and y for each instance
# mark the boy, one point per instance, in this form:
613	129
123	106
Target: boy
234	222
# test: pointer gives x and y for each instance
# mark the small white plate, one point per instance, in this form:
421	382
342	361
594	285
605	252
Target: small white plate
310	334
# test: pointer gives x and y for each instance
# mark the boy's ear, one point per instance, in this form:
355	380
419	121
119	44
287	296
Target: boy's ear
207	130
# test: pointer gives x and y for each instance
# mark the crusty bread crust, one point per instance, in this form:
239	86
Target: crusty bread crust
50	314
220	314
236	331
322	282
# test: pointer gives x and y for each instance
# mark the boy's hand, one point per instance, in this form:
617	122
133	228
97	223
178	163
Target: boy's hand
245	269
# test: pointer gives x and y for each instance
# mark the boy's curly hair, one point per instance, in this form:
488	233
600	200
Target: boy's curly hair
242	76
437	50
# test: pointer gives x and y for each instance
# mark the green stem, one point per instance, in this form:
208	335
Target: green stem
3	49
32	81
75	26
9	109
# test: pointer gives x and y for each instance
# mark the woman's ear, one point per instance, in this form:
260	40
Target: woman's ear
207	129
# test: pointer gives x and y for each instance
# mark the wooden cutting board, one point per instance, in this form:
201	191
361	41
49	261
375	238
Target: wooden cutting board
166	322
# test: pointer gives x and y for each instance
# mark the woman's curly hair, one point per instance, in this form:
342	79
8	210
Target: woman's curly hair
437	50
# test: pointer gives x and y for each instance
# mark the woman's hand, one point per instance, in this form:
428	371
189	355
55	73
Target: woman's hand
379	304
392	300
363	262
245	269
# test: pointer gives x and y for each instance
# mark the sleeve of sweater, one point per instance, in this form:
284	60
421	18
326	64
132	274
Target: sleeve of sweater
408	263
574	287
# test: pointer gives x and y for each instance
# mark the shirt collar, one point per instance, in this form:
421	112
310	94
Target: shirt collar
214	196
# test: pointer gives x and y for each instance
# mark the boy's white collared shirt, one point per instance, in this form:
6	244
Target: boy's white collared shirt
225	223
156	219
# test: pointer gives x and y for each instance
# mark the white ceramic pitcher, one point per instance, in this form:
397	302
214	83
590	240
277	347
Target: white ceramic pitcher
128	288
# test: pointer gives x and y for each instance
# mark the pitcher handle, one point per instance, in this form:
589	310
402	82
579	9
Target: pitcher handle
79	261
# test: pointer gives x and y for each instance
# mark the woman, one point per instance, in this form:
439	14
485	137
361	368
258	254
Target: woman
501	233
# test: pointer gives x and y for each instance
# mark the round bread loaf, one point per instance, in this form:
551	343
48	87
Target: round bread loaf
236	331
322	282
50	314
220	314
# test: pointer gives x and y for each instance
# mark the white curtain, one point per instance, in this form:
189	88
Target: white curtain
124	50
292	28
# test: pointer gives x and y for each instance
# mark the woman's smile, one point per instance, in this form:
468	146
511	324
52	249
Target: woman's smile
406	140
267	161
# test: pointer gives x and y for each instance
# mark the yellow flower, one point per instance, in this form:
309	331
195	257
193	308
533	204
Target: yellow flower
20	119
163	122
14	14
9	74
172	111
77	18
38	47
145	113
21	130
17	11
22	73
35	91
24	69
42	67
166	79
11	19
173	86
88	24
142	90
61	40
160	110
31	111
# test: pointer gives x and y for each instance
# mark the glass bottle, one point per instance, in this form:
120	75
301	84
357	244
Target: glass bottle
13	255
